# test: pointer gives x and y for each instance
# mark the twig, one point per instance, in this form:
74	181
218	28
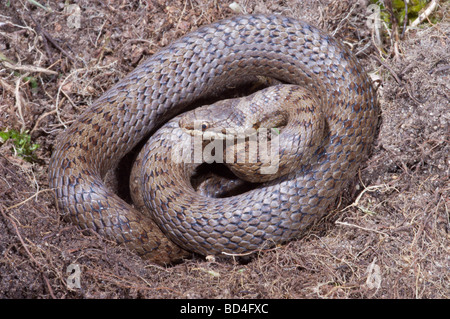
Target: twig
395	29
48	286
407	87
181	15
28	68
366	189
29	198
20	101
6	86
339	26
236	254
439	69
124	282
38	121
51	40
424	15
360	227
405	19
411	95
389	69
61	91
20	237
44	39
250	252
37	263
39	5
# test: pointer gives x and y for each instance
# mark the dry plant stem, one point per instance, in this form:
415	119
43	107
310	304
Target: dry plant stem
405	19
376	34
66	79
20	101
395	30
52	41
424	15
40	118
16	229
360	227
343	20
394	74
6	87
397	78
28	68
29	198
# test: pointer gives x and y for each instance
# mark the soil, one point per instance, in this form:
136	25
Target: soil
389	237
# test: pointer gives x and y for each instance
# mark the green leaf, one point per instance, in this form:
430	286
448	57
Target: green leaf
4	136
22	143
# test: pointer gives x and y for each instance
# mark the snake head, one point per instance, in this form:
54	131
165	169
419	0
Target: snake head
215	120
236	117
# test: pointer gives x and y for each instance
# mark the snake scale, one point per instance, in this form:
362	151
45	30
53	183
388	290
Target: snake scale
162	87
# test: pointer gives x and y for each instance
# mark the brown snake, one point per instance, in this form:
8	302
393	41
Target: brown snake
190	69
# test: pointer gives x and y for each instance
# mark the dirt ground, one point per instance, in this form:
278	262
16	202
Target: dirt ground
388	238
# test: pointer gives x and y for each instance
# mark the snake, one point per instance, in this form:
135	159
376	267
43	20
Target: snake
150	100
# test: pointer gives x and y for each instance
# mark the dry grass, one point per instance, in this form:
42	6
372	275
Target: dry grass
392	242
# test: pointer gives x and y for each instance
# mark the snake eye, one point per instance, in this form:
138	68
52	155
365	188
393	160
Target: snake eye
204	126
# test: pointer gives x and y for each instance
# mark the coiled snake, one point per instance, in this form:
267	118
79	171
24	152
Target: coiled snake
189	69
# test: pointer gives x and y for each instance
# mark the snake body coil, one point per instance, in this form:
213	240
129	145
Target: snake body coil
190	69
